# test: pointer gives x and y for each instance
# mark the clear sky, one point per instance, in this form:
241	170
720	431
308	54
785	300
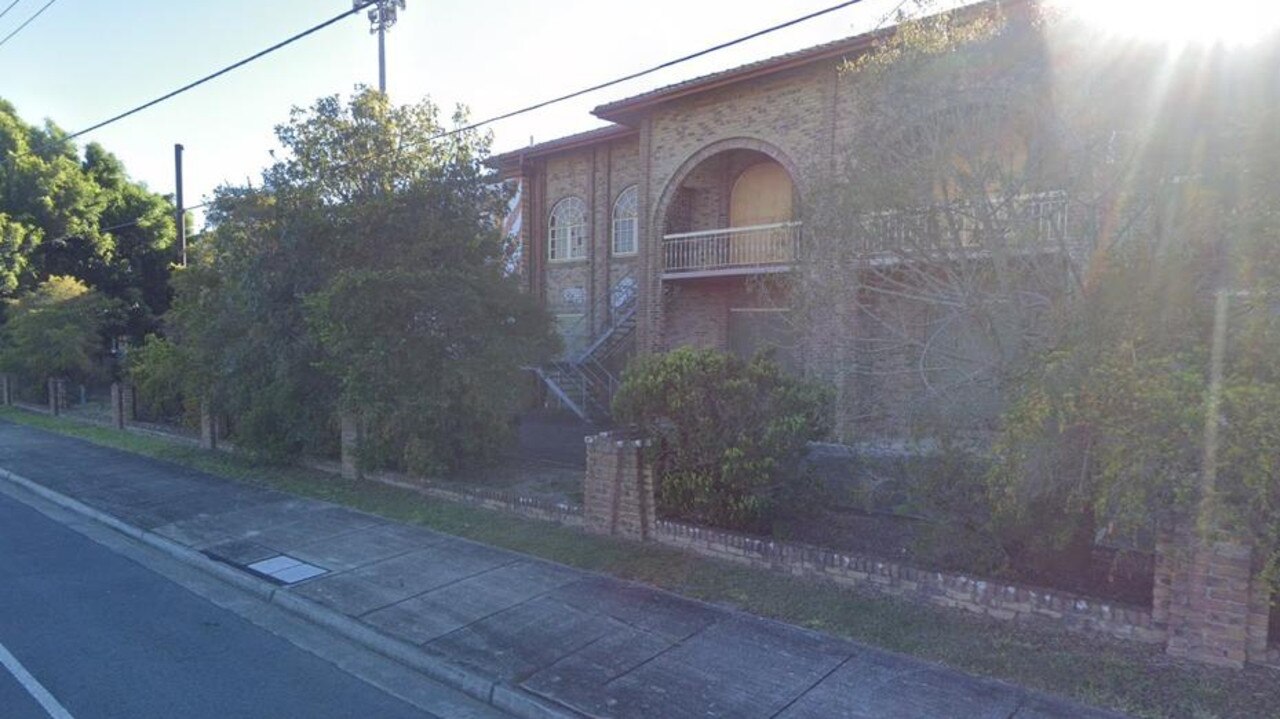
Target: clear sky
85	60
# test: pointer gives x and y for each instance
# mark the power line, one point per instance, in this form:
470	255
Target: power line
521	111
122	225
6	10
655	68
169	95
497	118
28	20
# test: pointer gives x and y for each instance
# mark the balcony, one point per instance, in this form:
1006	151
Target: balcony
730	251
1029	222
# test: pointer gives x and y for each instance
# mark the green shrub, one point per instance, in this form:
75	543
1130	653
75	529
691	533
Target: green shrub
57	330
158	372
731	434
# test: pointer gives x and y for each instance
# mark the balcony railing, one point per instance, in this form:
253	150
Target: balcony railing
731	250
1037	221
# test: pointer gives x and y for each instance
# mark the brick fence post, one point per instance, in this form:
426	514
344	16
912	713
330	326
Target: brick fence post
208	427
349	429
57	395
1209	599
129	402
6	390
117	405
618	487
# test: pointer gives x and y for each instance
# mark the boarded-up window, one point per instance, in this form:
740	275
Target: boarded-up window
761	196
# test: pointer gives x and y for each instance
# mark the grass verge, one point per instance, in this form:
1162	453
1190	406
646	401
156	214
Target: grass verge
1130	678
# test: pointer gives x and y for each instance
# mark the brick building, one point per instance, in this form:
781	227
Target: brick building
685	220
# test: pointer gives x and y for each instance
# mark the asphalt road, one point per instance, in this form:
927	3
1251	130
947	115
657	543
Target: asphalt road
99	635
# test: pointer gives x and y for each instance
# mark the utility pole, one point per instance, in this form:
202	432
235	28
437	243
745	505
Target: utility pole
181	210
381	17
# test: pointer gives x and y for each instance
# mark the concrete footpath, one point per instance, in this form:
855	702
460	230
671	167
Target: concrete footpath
534	638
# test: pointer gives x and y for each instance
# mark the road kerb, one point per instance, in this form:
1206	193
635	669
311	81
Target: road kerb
513	700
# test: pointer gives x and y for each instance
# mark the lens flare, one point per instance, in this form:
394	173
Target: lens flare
1181	22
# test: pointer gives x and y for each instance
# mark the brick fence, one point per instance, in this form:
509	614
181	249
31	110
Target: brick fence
57	396
1209	599
999	600
618	487
1209	606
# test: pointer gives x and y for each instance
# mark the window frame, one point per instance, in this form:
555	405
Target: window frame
634	196
566	233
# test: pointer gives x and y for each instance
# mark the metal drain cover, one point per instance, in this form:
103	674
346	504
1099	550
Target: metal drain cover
286	569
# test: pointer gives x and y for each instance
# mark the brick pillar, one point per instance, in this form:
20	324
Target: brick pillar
129	402
618	487
208	427
349	427
117	405
6	390
1208	599
57	395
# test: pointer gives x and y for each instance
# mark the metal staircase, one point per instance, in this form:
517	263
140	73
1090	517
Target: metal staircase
585	379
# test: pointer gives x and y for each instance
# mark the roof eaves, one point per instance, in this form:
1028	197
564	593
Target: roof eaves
621	110
618	109
510	162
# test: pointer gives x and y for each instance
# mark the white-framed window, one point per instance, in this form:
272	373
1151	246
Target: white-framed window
626	215
567	230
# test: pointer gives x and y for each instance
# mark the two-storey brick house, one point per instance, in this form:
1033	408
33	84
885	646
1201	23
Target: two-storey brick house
681	222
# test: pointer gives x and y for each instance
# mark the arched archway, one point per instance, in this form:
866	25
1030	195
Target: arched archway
739	154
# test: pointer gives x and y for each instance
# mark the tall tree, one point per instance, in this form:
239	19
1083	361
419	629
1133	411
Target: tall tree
364	276
66	215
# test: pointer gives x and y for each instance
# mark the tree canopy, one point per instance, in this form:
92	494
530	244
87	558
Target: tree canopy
73	215
56	331
363	276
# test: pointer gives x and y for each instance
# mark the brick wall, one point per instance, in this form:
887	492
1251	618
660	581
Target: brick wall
1209	600
621	161
618	491
786	117
1209	604
696	313
989	598
597	175
568	282
618	487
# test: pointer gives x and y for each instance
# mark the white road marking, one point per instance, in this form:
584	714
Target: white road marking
33	687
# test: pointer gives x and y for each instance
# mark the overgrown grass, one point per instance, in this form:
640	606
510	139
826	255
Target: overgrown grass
1134	679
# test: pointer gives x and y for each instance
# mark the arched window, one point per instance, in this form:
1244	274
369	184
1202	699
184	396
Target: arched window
626	213
567	238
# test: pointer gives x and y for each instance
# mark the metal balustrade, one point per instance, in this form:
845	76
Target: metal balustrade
730	248
1038	220
1029	221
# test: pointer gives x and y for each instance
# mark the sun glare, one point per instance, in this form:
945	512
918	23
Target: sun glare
1181	21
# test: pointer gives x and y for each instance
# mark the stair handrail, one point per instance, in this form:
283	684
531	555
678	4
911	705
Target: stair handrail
623	313
559	392
582	327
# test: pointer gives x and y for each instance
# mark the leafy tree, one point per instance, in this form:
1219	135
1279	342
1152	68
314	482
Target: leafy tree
732	434
66	215
56	331
1027	241
1156	398
363	276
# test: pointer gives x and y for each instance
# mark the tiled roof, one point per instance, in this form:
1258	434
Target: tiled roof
619	108
508	159
773	64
